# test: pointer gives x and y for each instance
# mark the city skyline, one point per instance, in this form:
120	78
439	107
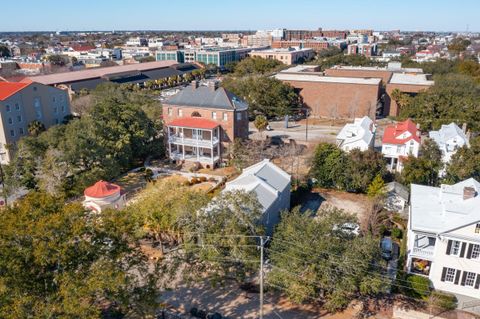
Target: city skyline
409	15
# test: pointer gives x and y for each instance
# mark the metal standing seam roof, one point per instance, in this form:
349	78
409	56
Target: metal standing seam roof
264	178
194	122
73	76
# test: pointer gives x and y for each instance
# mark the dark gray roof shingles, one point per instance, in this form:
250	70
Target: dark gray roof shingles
204	96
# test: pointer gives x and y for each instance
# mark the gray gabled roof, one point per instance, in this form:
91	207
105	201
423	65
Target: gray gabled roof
265	179
207	97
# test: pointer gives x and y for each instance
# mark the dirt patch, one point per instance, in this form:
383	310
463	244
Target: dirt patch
204	187
176	179
132	182
356	204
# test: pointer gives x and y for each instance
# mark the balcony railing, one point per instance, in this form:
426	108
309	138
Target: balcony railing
192	157
193	141
425	252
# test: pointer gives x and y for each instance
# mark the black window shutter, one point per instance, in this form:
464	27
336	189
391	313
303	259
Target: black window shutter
469	251
457	276
464	277
477	284
462	250
449	246
444	272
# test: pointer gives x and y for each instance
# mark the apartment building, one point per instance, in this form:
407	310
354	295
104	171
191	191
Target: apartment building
212	55
22	103
286	56
202	121
444	238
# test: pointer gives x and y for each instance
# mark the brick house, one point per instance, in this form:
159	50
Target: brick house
202	121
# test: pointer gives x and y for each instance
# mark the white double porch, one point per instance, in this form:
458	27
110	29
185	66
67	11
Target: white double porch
194	144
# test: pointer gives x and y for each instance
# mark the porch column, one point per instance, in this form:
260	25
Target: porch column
218	144
168	140
183	151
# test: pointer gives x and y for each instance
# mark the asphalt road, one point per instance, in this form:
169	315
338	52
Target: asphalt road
316	133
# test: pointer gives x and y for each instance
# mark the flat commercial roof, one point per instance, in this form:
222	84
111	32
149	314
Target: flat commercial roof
376	68
411	79
74	76
325	79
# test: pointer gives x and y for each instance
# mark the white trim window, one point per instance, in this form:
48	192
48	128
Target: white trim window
475	251
450	274
180	112
239	116
470	278
225	116
455	249
477	228
214	115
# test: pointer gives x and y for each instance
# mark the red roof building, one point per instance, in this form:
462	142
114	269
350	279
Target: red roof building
400	141
102	189
194	122
103	195
401	132
8	89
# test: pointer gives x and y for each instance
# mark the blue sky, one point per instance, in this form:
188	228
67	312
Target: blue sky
40	15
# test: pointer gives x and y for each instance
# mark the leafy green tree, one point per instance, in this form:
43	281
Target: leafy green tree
376	187
256	65
458	45
425	169
260	123
328	163
453	98
220	238
56	59
361	169
162	212
35	127
311	259
266	96
4	51
465	163
59	261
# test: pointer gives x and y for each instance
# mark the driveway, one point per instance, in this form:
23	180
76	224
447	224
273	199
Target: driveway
230	301
297	131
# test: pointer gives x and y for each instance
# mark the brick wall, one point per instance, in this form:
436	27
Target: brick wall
232	127
339	100
391	107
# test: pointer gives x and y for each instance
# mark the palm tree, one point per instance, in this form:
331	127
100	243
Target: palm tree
35	128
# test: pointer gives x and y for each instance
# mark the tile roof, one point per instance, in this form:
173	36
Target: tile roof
194	122
392	132
102	189
7	89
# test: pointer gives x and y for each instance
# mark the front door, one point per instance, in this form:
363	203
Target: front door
196	134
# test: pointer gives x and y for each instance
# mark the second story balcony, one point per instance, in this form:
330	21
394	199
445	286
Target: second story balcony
193	141
424	246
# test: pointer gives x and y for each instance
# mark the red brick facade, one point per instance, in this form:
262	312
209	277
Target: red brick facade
232	127
338	100
391	107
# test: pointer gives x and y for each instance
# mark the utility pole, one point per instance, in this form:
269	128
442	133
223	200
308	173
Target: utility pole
261	276
306	126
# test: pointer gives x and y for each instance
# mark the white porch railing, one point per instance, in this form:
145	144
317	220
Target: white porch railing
193	142
194	158
425	252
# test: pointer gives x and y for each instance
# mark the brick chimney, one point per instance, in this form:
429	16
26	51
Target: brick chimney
469	192
194	84
213	85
